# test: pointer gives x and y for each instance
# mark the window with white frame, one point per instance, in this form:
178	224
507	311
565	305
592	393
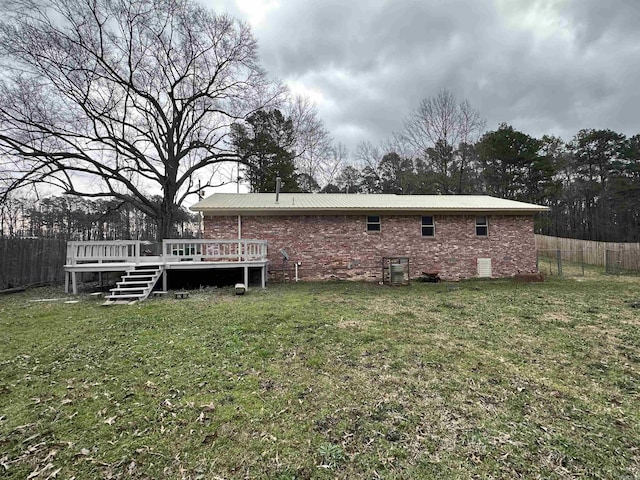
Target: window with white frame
482	226
428	226
373	223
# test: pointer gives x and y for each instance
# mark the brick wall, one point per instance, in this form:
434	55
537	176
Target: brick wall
340	246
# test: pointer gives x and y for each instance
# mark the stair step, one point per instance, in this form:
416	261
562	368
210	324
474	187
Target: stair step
135	285
119	302
122	297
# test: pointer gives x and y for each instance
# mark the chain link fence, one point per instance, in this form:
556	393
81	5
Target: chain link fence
561	263
599	257
622	262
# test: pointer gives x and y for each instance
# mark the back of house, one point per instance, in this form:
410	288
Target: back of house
347	236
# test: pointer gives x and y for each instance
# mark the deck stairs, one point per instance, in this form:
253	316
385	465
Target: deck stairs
136	284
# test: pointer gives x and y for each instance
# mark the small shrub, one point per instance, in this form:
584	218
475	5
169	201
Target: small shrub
331	455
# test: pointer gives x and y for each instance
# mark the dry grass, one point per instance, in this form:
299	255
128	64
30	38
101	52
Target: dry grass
338	380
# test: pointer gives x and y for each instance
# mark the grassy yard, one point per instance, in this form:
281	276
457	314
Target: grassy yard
326	380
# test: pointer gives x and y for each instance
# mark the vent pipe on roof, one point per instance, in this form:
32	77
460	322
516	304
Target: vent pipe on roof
278	185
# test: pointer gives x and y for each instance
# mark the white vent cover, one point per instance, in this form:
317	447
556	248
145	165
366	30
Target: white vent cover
484	267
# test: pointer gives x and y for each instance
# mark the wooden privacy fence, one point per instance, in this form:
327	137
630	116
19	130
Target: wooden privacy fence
30	261
593	253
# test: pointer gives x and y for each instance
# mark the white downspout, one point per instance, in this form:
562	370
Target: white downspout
240	238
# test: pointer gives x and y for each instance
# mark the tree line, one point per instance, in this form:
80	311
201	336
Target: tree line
591	184
73	218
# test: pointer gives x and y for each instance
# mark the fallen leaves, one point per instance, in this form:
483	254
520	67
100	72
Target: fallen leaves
48	467
208	408
447	390
110	420
39	471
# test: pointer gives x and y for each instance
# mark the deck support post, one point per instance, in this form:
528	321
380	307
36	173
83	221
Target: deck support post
66	282
246	277
164	280
74	282
100	278
263	274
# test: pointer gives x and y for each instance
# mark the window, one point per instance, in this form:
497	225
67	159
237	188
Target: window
373	223
482	227
428	226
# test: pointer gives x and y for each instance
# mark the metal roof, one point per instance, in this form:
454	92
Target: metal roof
319	203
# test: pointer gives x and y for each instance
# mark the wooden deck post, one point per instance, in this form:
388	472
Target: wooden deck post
263	272
74	282
246	277
66	282
164	280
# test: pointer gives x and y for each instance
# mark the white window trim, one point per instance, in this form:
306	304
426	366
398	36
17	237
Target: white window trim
432	225
485	224
379	223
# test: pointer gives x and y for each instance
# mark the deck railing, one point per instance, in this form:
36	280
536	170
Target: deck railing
214	250
173	250
113	251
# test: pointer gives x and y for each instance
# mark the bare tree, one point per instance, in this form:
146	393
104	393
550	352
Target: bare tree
471	125
124	98
338	156
435	120
441	131
369	155
10	209
313	144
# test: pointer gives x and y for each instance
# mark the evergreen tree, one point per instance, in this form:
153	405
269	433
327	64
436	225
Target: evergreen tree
265	146
513	166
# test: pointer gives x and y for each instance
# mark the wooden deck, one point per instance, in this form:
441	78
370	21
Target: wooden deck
124	255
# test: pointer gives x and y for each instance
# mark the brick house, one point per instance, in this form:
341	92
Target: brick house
347	235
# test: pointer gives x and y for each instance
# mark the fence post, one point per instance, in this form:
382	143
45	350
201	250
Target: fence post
559	256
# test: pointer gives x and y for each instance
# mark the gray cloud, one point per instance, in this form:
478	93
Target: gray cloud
544	66
606	22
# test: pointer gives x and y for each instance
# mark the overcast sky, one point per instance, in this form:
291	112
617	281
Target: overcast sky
543	66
